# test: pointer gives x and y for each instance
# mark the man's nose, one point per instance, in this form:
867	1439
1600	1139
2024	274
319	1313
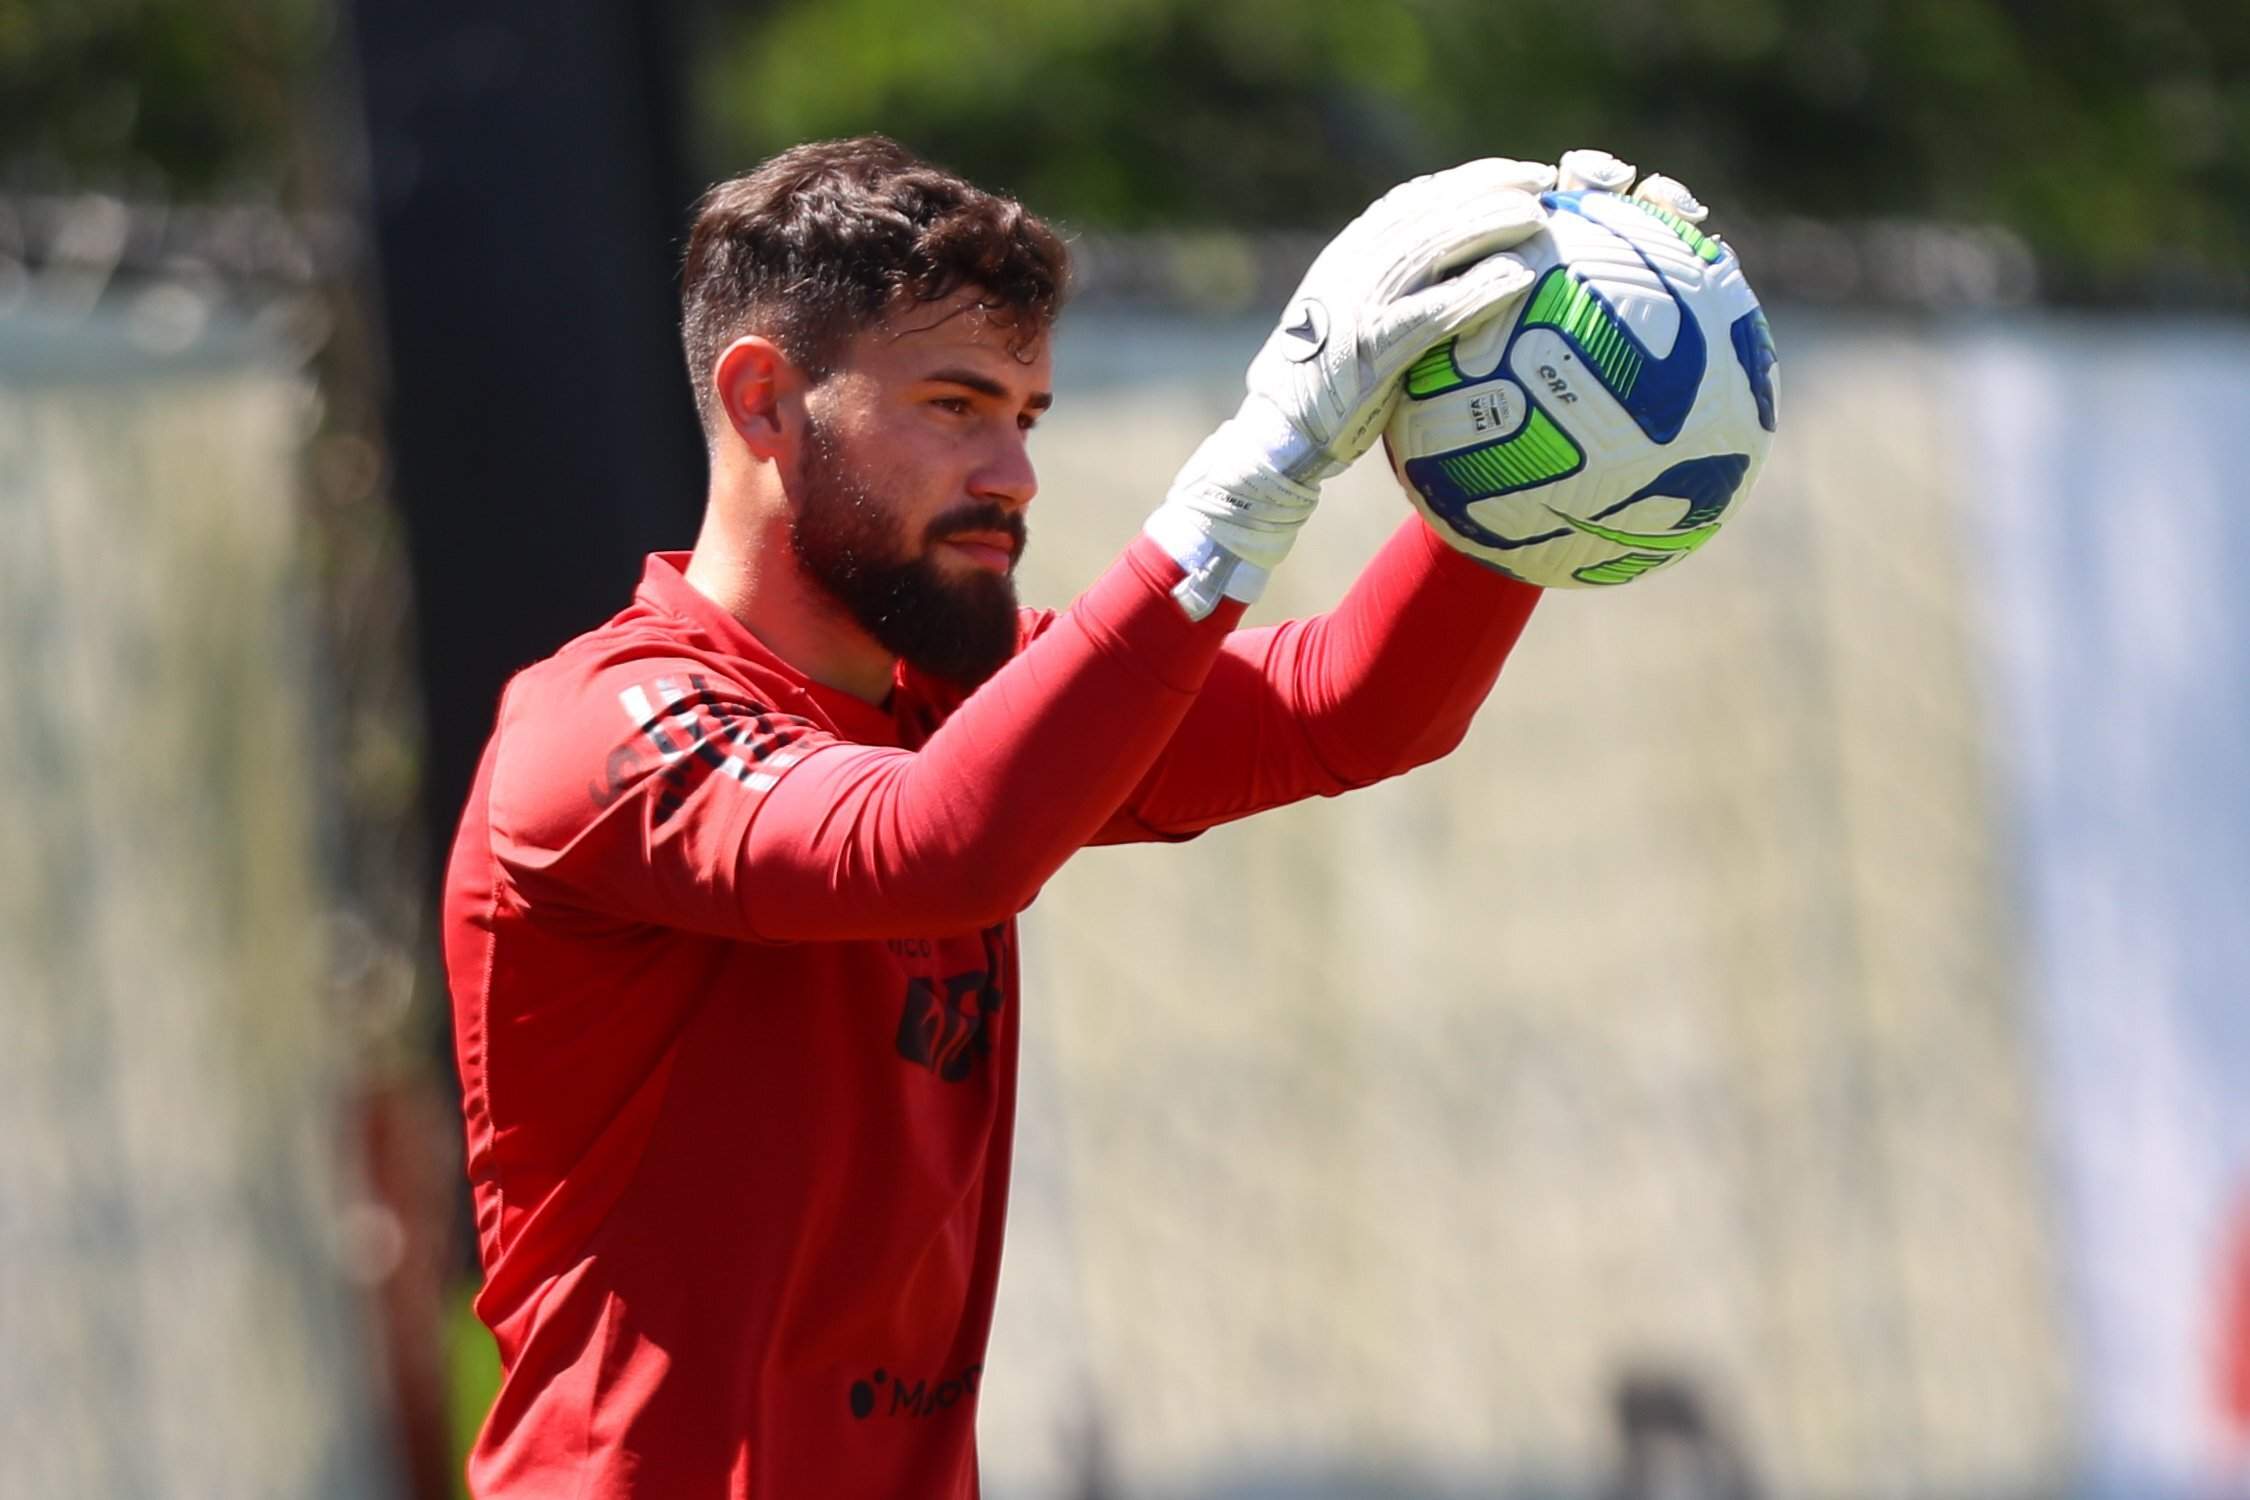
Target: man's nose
1006	475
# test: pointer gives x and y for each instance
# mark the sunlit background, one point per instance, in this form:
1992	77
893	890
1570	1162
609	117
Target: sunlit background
1798	1046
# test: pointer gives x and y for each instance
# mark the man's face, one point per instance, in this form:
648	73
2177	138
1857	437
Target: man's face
907	507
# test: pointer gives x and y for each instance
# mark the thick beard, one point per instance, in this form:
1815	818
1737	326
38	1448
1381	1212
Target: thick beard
849	542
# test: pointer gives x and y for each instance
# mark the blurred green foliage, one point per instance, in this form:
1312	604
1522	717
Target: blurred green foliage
472	1380
2112	134
193	99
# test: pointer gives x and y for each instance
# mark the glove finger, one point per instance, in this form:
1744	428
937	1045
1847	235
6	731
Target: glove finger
1500	172
1467	233
1484	290
1446	190
1672	195
1591	169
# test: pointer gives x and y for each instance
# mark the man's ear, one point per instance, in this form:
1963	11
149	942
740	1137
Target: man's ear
757	389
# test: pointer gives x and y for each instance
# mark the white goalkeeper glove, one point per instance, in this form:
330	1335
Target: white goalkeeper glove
1425	261
1587	168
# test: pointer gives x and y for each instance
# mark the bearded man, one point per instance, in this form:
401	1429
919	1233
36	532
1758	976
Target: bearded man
730	920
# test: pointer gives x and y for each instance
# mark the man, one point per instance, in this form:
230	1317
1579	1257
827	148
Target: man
730	922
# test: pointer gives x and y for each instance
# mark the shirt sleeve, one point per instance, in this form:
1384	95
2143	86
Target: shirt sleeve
1387	681
699	807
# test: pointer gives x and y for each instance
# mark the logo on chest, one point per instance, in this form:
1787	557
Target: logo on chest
922	1399
946	1024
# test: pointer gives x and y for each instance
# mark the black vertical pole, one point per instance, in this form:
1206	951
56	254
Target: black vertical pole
528	201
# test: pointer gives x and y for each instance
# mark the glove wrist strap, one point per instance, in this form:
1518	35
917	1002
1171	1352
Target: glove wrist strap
1213	573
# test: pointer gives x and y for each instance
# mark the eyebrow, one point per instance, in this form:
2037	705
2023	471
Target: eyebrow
985	385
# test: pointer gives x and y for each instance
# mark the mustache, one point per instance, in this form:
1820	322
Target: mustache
980	517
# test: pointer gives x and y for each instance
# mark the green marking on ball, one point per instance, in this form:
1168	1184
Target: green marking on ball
1434	373
1655	541
1568	305
1695	239
1537	452
1620	569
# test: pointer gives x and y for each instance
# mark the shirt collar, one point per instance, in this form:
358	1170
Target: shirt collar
664	587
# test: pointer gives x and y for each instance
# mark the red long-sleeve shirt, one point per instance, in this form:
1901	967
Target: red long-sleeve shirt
733	961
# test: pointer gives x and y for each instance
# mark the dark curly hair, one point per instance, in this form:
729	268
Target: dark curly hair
819	242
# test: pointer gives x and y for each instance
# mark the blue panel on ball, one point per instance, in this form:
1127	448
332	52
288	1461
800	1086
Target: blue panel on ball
1663	392
1537	454
1451	502
1707	485
1753	345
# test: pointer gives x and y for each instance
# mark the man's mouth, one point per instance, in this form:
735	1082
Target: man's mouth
994	551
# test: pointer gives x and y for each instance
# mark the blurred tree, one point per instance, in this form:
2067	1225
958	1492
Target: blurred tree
154	98
2113	134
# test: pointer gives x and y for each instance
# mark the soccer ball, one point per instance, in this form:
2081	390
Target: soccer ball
1612	423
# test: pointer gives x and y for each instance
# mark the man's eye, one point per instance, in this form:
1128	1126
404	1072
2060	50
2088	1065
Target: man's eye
958	405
